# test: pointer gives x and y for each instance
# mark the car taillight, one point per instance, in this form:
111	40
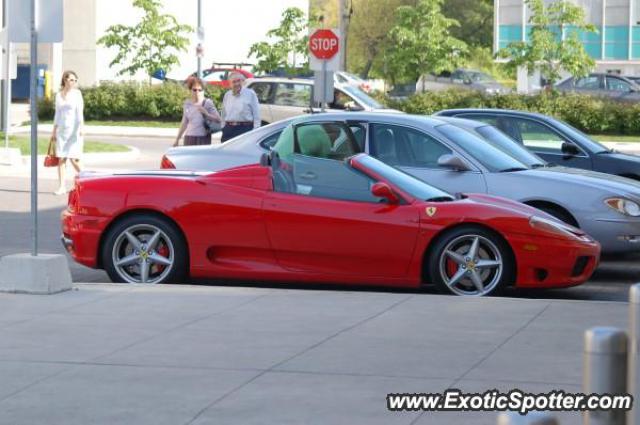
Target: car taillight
72	201
166	163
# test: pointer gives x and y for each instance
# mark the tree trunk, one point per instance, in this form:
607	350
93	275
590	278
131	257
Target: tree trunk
367	68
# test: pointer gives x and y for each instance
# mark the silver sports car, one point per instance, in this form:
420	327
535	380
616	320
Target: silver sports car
461	156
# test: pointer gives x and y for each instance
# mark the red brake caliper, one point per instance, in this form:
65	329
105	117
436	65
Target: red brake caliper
164	252
452	267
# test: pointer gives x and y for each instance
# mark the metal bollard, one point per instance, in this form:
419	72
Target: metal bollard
633	416
533	418
605	371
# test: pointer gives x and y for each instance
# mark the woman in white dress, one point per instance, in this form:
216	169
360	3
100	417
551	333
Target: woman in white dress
68	127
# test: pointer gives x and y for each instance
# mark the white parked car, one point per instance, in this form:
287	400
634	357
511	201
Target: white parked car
282	98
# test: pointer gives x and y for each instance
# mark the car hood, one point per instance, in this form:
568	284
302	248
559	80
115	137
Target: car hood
593	179
508	204
388	110
620	156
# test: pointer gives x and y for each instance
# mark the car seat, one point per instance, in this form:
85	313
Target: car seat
385	146
314	141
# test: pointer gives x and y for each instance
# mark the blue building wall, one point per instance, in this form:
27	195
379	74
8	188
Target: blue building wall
616	40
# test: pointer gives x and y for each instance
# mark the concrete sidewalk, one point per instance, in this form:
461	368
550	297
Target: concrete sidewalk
107	354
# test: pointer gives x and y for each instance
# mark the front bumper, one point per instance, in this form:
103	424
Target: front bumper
616	235
554	263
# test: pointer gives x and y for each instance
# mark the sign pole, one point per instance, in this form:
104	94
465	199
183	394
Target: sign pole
324	83
34	131
7	92
7	69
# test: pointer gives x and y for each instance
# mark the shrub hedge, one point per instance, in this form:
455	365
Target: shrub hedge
137	101
590	114
133	101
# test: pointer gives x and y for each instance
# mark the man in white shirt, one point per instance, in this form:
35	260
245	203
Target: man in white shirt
240	109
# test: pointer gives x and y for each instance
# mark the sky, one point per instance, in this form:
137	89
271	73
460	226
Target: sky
231	26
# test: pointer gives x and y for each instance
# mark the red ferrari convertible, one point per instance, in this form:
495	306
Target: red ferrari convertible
319	214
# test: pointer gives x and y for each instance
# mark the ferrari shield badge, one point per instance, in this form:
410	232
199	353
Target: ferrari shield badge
431	211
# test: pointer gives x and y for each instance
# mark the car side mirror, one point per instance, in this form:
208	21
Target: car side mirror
453	162
569	149
383	190
265	159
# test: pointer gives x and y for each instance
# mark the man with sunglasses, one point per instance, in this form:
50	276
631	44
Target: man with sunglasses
240	109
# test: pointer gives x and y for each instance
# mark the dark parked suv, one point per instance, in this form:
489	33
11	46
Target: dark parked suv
555	141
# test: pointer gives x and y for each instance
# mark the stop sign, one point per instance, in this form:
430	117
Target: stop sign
323	44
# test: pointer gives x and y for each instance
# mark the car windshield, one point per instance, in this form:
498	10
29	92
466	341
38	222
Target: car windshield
362	97
407	183
492	158
506	144
480	77
583	139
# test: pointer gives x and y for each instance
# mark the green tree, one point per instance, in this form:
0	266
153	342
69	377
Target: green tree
477	16
150	45
421	43
287	43
369	34
554	41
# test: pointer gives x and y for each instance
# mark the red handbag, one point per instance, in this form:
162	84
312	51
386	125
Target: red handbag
51	160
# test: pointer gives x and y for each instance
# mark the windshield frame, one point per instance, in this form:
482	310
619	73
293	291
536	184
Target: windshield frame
480	77
510	146
362	97
410	187
452	133
585	141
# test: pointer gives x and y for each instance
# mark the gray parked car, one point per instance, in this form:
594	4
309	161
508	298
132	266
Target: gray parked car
608	85
461	78
452	155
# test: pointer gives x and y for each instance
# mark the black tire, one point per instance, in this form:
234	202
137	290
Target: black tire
117	245
491	249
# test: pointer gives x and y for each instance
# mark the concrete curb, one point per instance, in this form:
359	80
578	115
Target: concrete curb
92	160
212	288
111	131
91	157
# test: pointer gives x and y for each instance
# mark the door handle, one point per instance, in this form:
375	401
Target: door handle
309	175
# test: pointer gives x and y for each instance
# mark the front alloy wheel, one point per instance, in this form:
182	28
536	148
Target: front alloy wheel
471	262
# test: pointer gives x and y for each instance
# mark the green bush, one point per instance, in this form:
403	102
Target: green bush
133	101
590	114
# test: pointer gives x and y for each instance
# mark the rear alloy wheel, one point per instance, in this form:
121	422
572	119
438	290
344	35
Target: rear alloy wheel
470	262
144	249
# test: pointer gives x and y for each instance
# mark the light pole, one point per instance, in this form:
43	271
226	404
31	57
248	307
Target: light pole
344	16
